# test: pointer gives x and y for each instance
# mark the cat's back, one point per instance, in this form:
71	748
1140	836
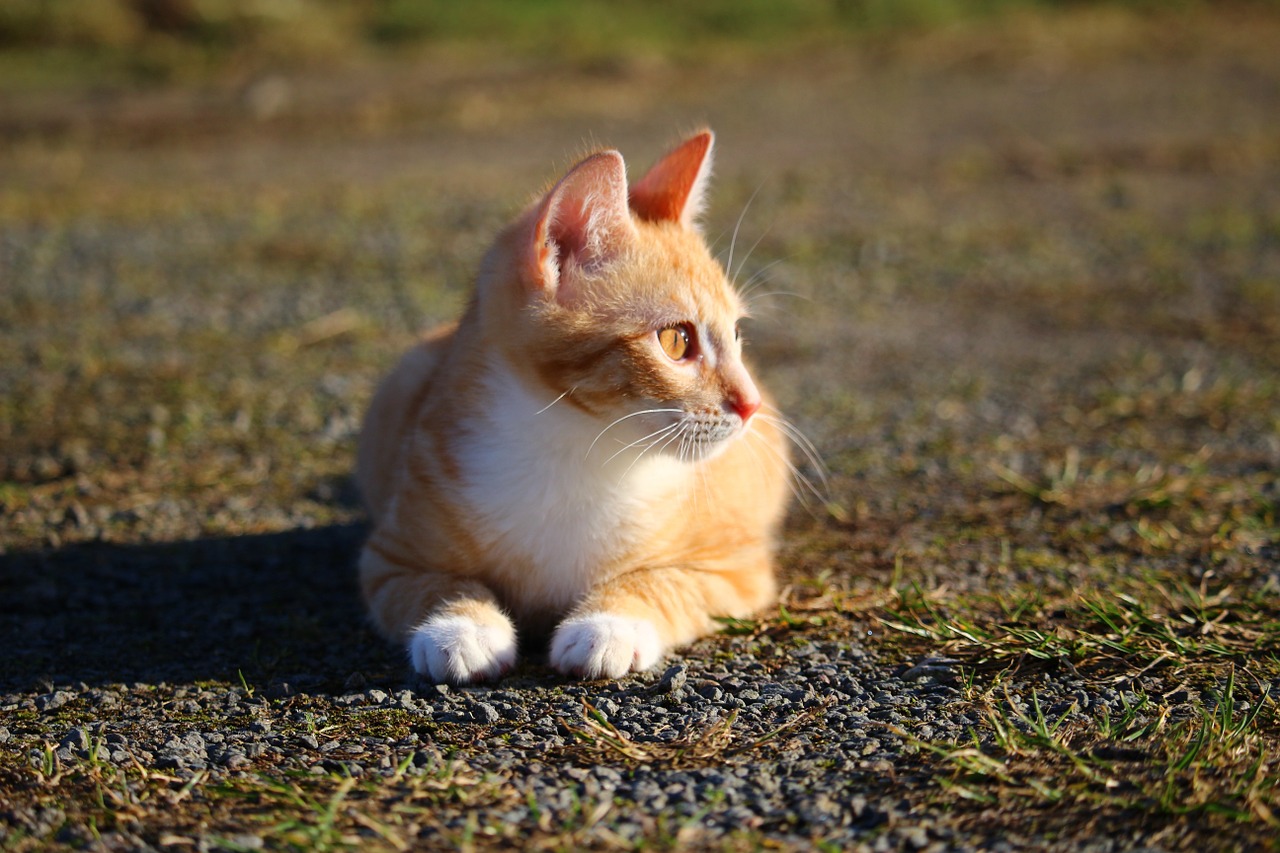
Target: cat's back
391	415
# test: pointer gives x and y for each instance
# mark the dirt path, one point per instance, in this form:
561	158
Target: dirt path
1026	303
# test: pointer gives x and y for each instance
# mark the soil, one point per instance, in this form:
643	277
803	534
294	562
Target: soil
1020	286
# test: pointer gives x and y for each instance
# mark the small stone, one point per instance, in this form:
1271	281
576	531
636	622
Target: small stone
76	739
931	667
244	842
233	759
53	701
485	713
280	690
672	680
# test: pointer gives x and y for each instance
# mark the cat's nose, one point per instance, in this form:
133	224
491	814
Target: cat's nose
746	404
740	393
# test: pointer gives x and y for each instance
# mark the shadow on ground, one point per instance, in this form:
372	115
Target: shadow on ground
268	606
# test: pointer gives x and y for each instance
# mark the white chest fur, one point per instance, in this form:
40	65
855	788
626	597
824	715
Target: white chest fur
542	501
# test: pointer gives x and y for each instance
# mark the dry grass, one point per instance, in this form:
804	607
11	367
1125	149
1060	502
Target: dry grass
1027	311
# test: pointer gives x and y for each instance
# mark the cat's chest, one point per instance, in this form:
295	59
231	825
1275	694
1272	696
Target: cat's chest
546	511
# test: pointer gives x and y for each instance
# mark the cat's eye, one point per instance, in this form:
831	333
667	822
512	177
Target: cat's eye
676	341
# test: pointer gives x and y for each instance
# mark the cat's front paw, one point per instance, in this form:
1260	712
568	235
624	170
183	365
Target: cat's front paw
602	645
460	650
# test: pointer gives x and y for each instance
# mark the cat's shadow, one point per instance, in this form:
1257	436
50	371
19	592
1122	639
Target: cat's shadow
278	606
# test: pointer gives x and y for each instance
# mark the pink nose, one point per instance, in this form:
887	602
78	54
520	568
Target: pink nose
746	406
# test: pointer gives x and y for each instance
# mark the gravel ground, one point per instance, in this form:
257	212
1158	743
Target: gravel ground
824	719
822	714
1034	338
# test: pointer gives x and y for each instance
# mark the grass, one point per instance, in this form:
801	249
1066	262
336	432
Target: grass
1220	767
715	745
55	43
1177	625
1035	348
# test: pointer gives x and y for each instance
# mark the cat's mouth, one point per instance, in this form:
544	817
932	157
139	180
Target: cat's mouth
701	436
713	429
689	436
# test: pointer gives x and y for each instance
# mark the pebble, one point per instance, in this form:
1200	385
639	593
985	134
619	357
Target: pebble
485	713
53	701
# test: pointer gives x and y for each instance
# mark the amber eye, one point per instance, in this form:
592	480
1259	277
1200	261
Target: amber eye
675	341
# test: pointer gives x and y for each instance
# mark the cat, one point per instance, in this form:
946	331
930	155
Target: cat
583	453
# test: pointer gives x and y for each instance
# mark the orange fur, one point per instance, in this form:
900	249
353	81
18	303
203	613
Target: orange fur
545	463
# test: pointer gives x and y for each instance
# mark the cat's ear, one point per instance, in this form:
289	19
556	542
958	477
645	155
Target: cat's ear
581	223
674	190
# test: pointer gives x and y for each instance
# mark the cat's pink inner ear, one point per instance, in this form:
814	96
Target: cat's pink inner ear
580	224
674	189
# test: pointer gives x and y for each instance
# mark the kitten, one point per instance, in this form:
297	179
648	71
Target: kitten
582	450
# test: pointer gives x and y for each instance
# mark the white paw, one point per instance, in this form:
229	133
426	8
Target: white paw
460	650
602	645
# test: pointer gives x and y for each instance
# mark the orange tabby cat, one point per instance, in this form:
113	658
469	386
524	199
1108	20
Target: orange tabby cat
579	451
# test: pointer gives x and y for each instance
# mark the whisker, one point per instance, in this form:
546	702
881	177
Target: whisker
682	425
682	451
624	418
757	278
769	293
791	481
659	433
749	434
797	476
773	415
757	307
705	477
734	276
801	441
733	241
553	402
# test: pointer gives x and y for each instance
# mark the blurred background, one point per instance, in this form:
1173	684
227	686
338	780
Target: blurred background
1016	274
988	230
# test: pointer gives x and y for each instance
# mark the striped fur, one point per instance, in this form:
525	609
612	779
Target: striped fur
545	464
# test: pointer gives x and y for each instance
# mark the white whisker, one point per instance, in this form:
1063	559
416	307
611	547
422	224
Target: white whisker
791	481
681	426
624	418
757	278
706	481
733	277
801	441
797	476
553	402
807	449
769	293
659	433
733	241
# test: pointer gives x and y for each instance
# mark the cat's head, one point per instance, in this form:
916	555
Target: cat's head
613	303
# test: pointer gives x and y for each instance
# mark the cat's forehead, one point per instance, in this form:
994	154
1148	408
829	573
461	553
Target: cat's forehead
676	262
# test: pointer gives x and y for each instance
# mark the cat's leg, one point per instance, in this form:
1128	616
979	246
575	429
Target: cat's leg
629	622
453	627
